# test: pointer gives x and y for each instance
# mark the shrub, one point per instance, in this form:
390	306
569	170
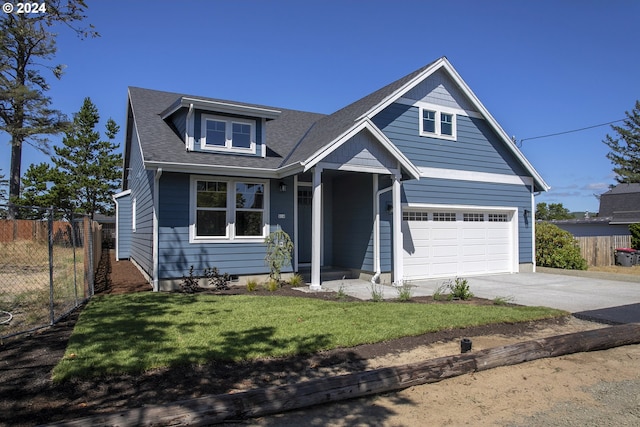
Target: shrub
272	285
217	280
189	284
557	248
404	292
460	289
279	247
296	280
252	285
634	229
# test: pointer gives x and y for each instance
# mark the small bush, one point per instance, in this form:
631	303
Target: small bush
441	294
377	292
217	280
557	248
279	248
634	229
296	280
503	300
405	293
189	284
460	289
341	294
272	285
252	285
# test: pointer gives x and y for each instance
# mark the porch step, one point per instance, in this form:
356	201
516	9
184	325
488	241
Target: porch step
326	274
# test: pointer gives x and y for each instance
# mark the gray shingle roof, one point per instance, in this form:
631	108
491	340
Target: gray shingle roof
291	138
160	143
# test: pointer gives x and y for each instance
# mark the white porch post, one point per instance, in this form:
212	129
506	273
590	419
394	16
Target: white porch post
316	229
398	272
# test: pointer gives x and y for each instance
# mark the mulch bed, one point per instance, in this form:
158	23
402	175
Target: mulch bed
29	397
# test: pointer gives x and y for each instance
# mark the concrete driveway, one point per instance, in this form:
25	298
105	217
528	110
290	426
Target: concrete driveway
609	301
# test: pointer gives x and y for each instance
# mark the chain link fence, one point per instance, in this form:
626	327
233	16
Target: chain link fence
47	266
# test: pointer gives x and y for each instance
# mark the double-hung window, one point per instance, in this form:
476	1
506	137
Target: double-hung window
220	133
228	209
437	124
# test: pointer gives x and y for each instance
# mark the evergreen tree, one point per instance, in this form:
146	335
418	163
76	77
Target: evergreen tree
86	169
26	46
546	212
625	148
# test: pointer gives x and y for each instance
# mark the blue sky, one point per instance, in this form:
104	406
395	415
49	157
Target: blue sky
540	67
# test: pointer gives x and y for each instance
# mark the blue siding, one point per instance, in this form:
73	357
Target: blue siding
179	122
177	254
442	191
141	185
123	240
477	147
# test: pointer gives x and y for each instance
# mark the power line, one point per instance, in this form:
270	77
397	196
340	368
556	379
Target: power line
568	131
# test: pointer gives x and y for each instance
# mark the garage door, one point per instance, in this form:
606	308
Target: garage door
447	242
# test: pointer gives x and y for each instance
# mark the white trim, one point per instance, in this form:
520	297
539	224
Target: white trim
446	109
220	170
438	112
189	130
358	168
231	108
229	122
230	236
134	214
466	175
398	249
316	230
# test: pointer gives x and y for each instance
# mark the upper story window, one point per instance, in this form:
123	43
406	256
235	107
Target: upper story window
221	133
437	124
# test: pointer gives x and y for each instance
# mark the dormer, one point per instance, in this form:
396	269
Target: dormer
221	127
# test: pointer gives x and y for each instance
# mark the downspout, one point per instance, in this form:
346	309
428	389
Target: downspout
156	204
376	234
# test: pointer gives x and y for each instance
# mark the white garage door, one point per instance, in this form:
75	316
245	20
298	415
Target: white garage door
448	242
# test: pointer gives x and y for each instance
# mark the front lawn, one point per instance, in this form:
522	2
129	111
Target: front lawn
132	333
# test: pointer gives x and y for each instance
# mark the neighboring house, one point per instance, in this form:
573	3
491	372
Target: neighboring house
416	180
619	207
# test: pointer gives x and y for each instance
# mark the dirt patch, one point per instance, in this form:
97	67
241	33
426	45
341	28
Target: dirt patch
504	395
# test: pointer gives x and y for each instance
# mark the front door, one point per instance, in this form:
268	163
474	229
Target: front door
304	225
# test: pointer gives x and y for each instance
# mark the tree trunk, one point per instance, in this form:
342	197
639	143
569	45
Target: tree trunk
271	400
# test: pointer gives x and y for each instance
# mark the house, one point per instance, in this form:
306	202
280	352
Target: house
619	207
415	180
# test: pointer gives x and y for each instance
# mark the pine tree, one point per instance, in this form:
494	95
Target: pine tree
85	169
625	148
87	166
26	46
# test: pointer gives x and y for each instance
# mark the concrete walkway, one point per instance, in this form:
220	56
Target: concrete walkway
574	294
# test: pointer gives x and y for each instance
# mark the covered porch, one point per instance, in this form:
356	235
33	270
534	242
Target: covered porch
348	210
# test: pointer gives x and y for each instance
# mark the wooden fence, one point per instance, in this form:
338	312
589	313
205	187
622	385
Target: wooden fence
599	251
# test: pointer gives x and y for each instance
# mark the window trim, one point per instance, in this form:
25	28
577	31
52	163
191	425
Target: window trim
438	122
229	122
230	234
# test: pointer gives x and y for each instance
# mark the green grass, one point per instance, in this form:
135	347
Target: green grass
137	332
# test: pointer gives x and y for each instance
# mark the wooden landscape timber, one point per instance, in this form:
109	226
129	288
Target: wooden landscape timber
271	400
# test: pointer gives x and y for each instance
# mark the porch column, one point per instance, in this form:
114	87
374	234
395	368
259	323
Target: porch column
316	229
398	272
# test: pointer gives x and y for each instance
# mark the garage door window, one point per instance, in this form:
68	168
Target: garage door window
498	217
473	217
415	216
444	216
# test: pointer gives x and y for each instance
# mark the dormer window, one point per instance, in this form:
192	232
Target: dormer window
437	124
221	133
